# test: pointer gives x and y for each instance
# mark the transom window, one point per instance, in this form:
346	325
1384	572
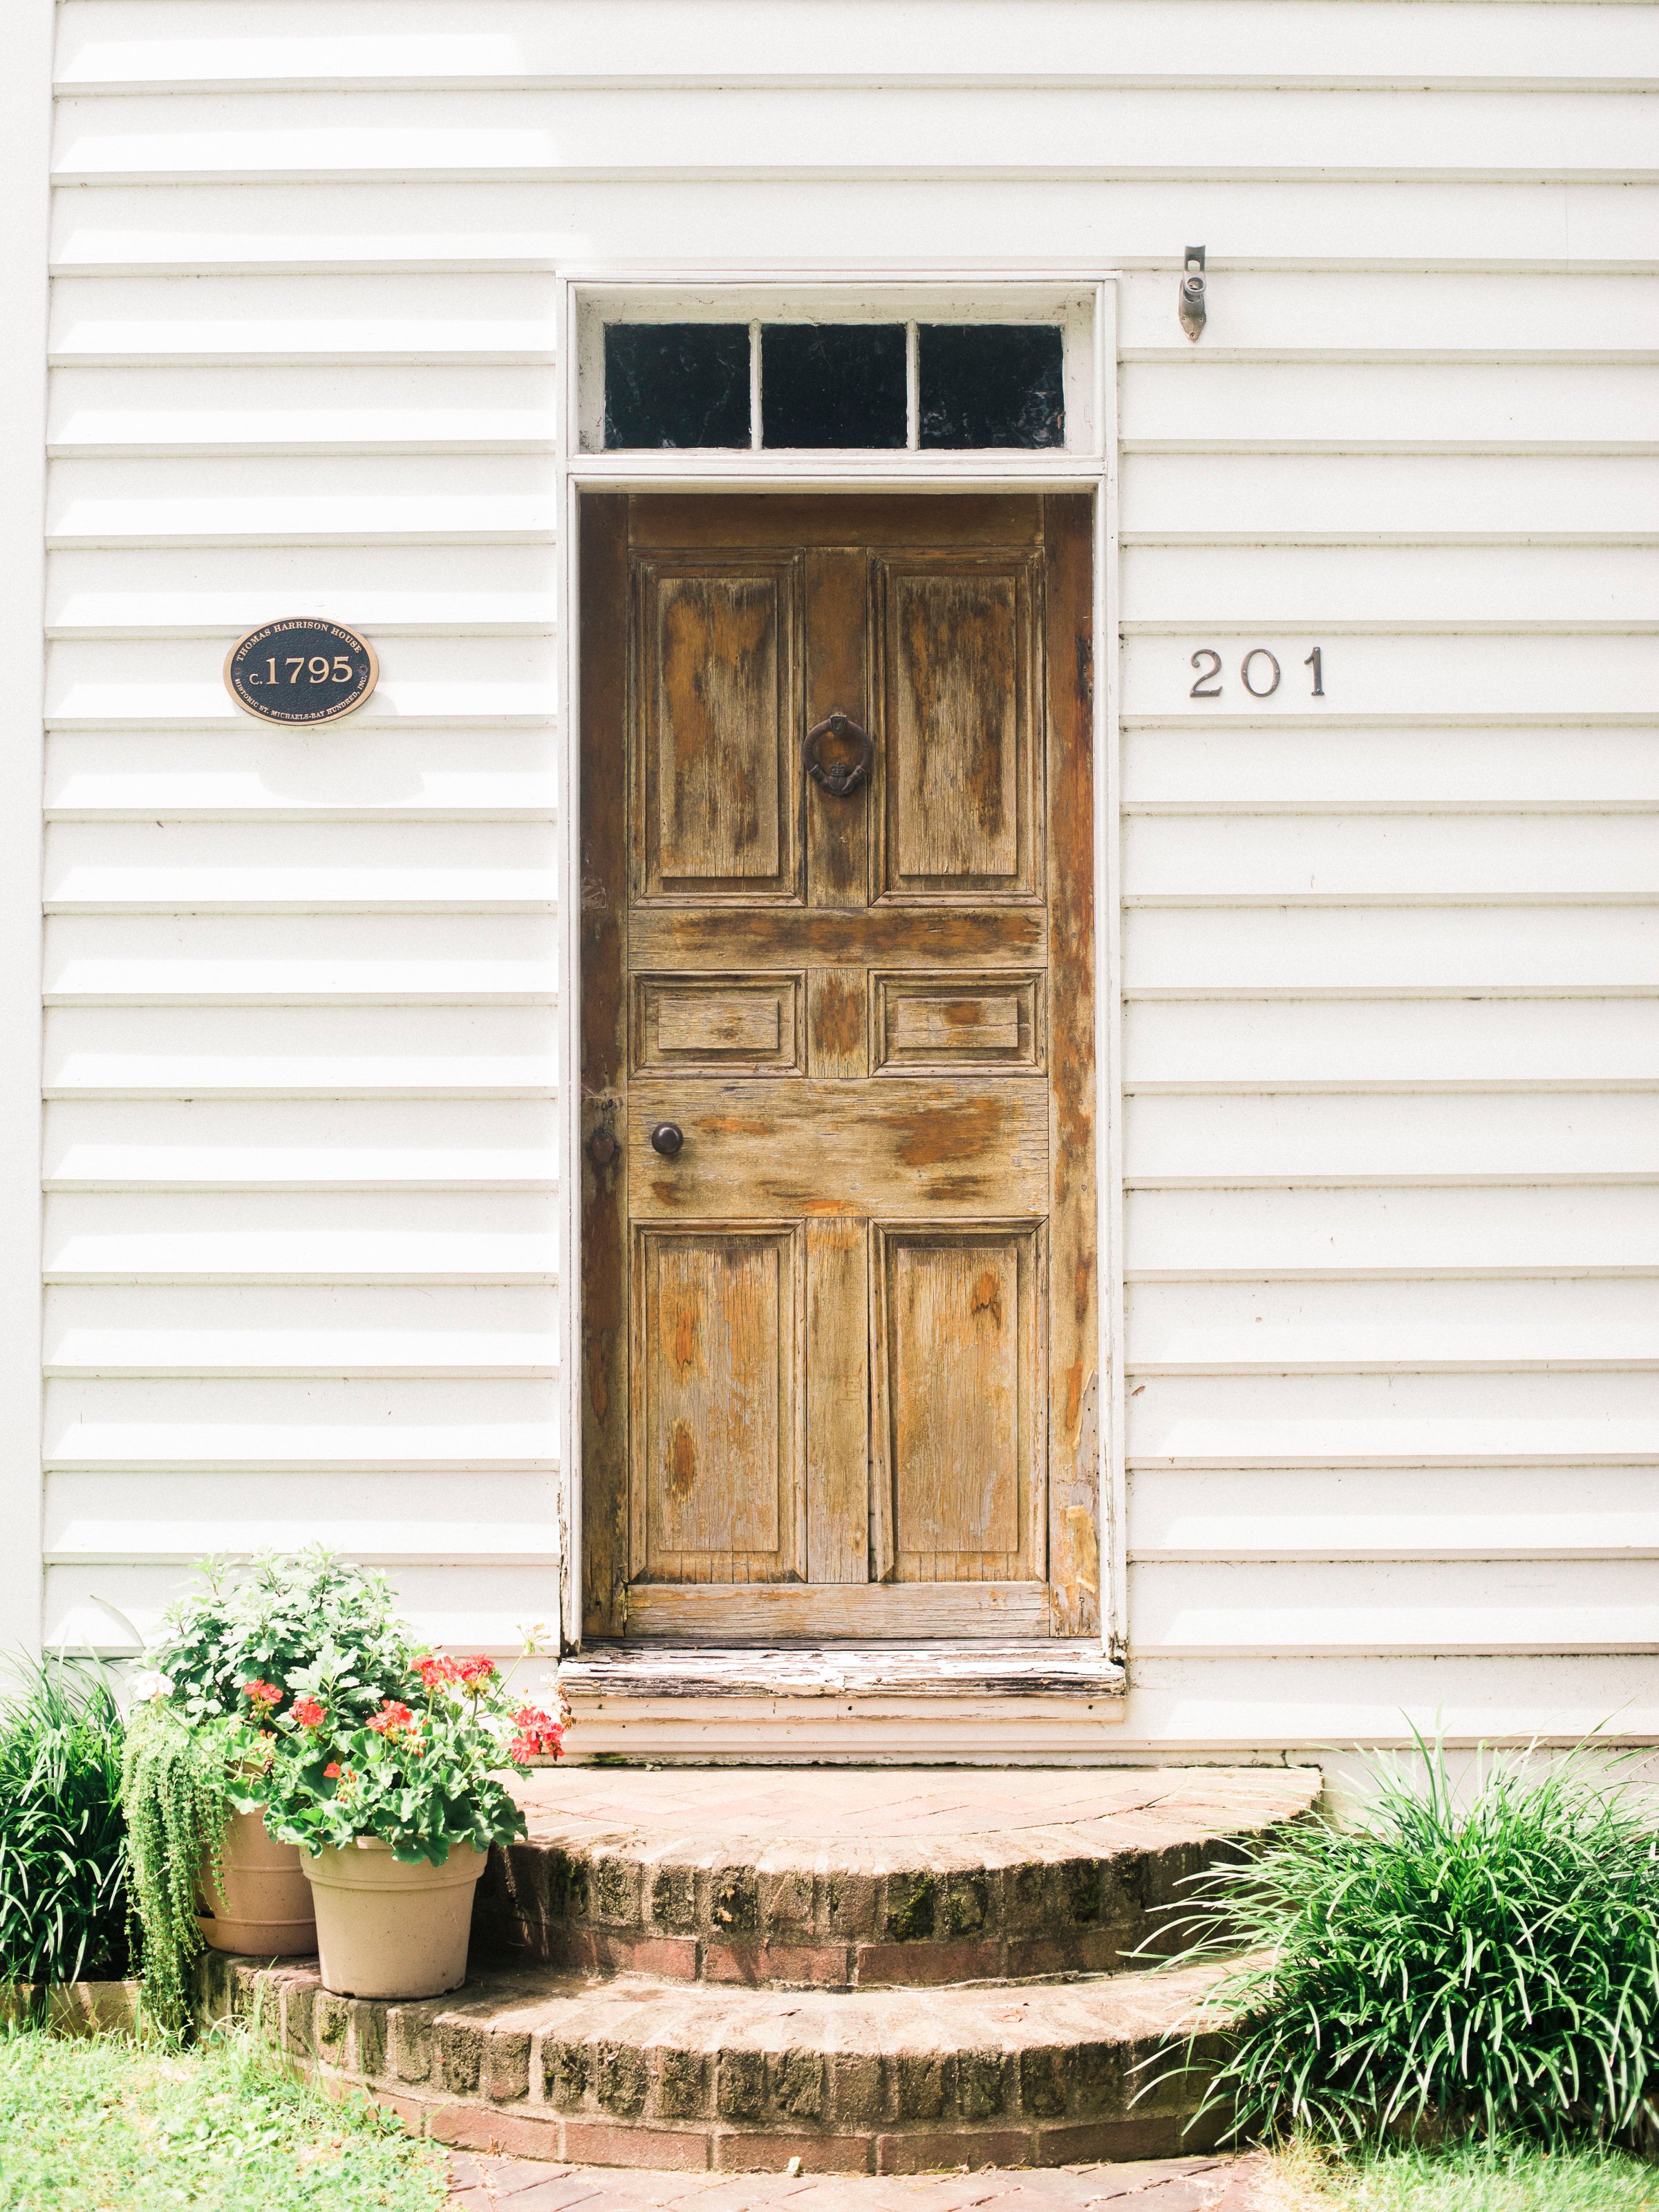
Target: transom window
834	385
925	368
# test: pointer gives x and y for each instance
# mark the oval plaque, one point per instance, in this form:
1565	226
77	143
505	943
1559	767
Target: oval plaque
301	670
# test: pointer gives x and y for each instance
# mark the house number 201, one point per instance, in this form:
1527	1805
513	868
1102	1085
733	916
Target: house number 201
1259	672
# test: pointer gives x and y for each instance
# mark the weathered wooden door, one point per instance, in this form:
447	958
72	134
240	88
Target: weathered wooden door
839	1257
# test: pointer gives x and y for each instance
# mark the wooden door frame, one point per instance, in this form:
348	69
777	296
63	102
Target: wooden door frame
1095	471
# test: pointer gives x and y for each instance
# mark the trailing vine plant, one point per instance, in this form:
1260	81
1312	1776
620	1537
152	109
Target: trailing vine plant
176	1793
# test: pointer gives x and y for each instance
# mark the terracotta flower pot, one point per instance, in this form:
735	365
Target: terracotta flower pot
389	1930
264	1907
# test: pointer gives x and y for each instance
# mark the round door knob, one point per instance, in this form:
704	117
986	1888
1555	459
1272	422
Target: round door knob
667	1139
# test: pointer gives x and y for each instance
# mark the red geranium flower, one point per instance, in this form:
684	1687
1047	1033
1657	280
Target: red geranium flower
475	1672
539	1731
392	1719
332	1772
262	1693
434	1670
307	1712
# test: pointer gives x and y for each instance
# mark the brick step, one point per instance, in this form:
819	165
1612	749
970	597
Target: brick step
865	1877
633	2071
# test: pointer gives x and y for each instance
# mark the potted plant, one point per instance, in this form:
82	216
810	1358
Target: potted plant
228	1658
397	1811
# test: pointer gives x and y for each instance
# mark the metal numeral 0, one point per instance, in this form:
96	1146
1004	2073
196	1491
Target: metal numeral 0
1259	653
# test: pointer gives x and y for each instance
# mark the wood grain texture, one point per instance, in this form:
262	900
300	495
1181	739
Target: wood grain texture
837	1022
958	1433
834	519
1039	1667
884	1148
718	1423
725	1024
929	1024
1074	1531
838	682
957	645
773	1613
889	936
837	1402
719	797
605	1061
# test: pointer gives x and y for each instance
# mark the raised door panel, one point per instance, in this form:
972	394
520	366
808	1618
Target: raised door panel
717	1024
718	795
959	657
942	1023
718	1429
960	1434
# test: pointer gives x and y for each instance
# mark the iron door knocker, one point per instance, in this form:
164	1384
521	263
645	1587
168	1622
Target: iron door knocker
839	778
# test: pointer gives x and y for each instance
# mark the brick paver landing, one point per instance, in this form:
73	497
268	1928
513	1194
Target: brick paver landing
1168	2184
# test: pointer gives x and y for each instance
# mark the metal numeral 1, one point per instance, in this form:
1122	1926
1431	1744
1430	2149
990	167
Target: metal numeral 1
1316	661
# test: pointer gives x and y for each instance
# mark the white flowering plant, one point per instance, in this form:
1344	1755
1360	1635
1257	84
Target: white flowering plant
312	1621
420	1773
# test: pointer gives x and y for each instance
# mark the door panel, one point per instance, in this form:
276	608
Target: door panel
717	1024
959	1428
718	812
959	645
717	1421
935	1024
838	1342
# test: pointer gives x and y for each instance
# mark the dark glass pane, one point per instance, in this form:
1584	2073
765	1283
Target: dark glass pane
676	384
991	384
842	385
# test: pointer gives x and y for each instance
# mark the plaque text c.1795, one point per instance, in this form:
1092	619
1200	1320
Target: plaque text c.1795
301	670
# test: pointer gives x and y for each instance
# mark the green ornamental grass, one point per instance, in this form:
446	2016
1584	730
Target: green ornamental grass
62	1901
1482	1967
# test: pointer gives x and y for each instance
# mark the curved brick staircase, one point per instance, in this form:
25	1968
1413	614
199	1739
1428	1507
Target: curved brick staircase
874	1969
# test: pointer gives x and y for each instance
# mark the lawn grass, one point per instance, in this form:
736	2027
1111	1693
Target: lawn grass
104	2126
1470	2178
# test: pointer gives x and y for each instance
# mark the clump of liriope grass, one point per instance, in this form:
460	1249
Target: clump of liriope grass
63	1860
1448	1966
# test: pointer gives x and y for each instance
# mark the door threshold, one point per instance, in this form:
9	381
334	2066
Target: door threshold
1048	1667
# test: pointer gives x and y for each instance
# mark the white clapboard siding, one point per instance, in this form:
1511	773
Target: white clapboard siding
414	222
1389	957
1274	1142
188	1328
1181	949
1484	1513
1294	767
1340	1700
1474	1043
1382	1324
1246	497
118	45
608	133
